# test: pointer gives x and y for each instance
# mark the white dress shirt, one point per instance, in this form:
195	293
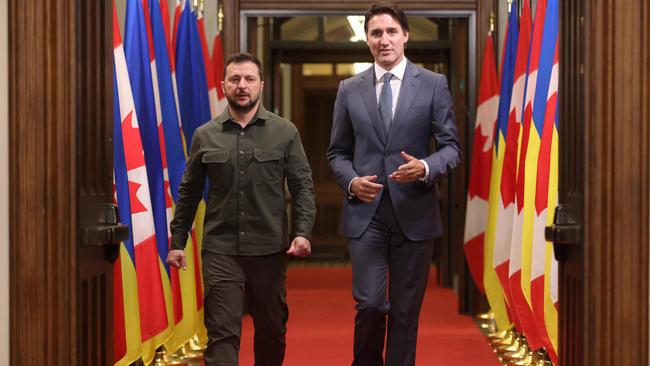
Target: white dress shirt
395	85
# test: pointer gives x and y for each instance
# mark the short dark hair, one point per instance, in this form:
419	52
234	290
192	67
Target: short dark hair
387	8
241	57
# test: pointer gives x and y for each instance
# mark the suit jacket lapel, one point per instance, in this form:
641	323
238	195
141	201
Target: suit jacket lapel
407	93
369	95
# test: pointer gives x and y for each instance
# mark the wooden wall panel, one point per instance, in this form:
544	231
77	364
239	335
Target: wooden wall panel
616	182
94	127
41	118
230	30
572	180
483	10
60	80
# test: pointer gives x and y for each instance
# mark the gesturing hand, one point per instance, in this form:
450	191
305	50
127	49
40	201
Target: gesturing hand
176	259
365	188
409	172
300	247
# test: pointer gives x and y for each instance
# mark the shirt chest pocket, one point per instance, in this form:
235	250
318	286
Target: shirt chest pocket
268	166
218	165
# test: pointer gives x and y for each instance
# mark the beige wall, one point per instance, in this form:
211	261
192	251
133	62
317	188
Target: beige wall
4	188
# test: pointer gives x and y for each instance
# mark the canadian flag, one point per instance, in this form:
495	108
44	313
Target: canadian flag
481	165
217	69
132	181
521	248
209	72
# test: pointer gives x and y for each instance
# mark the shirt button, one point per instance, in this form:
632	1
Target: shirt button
242	213
241	133
241	193
241	172
241	152
241	233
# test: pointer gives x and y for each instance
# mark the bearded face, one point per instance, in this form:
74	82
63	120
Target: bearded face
242	86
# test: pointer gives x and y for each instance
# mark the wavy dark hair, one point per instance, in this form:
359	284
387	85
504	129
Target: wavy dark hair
387	8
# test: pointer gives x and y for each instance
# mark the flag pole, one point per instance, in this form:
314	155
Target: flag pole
219	16
493	18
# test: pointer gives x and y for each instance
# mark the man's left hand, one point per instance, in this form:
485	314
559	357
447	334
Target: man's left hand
409	172
300	247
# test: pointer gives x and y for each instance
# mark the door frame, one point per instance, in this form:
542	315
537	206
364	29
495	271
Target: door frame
244	15
452	271
604	173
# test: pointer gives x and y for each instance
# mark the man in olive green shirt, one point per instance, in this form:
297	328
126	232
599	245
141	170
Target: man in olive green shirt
247	153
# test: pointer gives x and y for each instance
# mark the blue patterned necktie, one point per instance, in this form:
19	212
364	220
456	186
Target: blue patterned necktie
386	102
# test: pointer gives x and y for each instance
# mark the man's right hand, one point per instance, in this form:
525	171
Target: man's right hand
176	259
366	188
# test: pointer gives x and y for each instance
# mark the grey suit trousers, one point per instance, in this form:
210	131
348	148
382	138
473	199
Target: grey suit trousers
389	279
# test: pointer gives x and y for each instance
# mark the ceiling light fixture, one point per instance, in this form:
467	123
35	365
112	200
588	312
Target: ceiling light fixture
356	22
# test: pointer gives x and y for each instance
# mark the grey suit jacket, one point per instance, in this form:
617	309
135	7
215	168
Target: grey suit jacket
360	147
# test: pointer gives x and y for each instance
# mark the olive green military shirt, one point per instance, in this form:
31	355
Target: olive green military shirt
246	169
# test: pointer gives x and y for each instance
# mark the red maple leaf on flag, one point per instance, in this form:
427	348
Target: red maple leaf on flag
168	194
480	167
133	152
136	204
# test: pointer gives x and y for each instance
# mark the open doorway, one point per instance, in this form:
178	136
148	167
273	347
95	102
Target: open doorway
307	54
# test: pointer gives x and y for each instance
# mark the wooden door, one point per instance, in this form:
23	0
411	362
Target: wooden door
97	216
60	84
450	257
601	233
313	101
567	233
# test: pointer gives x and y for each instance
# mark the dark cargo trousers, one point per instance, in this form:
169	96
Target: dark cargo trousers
260	280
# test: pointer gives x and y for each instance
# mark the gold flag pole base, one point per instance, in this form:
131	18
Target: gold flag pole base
159	358
526	361
505	341
189	355
542	358
519	345
175	359
195	345
484	317
485	322
497	336
162	358
519	354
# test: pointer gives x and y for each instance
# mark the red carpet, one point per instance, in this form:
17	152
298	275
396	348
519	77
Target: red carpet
321	320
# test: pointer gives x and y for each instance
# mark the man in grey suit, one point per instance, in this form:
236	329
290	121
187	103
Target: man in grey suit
380	153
